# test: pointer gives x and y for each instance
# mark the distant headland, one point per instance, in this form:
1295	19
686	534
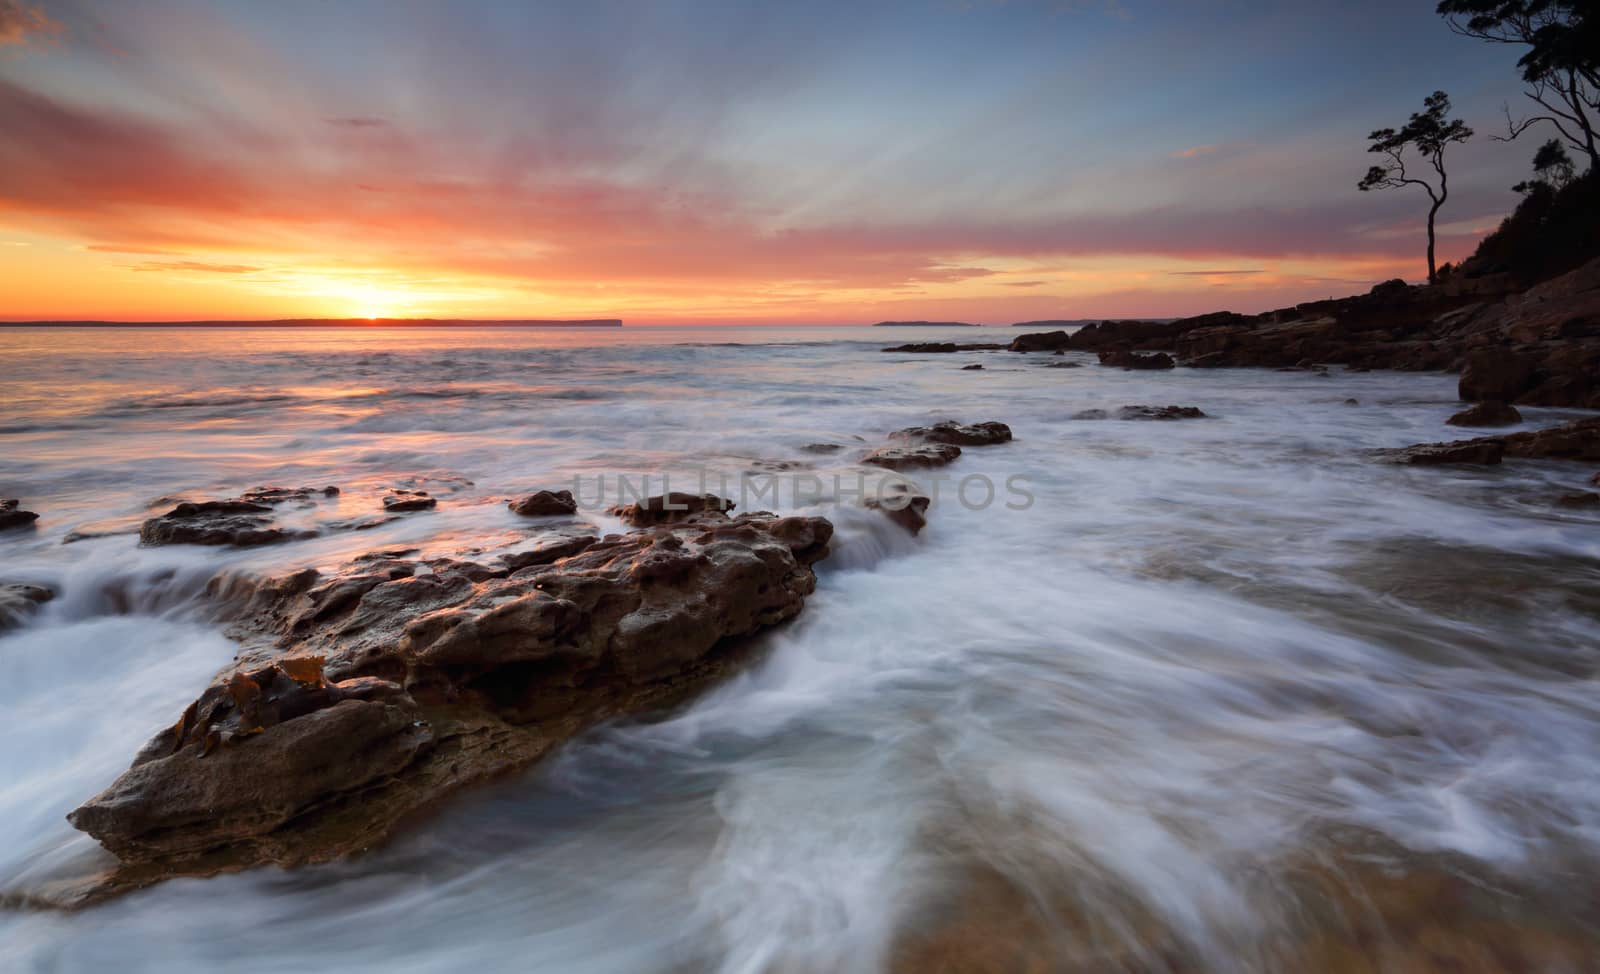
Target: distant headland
335	323
926	324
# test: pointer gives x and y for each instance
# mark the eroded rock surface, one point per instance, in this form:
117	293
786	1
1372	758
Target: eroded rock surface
914	457
367	694
244	521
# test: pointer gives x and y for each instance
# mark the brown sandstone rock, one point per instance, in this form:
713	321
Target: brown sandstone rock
403	501
364	697
545	503
670	508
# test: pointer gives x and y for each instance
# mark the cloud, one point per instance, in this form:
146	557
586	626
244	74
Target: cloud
1218	273
195	265
1024	283
1195	151
22	23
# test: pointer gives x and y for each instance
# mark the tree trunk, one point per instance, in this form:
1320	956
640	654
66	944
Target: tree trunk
1433	273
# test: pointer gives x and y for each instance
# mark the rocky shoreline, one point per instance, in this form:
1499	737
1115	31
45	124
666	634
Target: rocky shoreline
1539	346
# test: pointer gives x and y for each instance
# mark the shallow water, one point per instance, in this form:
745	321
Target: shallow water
1228	695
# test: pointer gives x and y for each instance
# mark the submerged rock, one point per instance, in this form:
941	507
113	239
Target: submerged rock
1489	413
1481	452
12	515
366	696
913	457
1127	359
19	600
671	508
402	501
235	522
1145	412
904	507
974	367
545	503
1583	498
976	434
945	348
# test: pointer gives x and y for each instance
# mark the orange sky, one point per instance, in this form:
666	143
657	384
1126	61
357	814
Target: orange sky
221	161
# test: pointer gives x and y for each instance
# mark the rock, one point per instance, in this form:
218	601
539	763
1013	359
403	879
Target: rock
903	507
1123	359
12	515
1578	440
821	448
977	434
1145	412
545	503
1063	365
1352	402
670	508
1489	413
1584	498
402	501
227	522
1483	452
913	457
974	367
1495	376
1042	342
244	521
550	552
937	348
363	698
18	601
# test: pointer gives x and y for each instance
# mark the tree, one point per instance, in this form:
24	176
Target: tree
1430	134
1552	170
1561	64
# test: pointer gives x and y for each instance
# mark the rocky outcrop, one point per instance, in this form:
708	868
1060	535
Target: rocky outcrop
974	367
1579	440
977	434
1048	341
545	503
670	508
1125	359
244	521
18	601
406	501
1145	412
1489	413
365	696
1479	452
13	516
914	457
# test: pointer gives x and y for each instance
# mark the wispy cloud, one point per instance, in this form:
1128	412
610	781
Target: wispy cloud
195	265
1216	273
24	23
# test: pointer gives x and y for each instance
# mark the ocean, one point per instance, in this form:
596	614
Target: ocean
1221	694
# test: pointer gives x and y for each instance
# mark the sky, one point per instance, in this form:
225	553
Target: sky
709	162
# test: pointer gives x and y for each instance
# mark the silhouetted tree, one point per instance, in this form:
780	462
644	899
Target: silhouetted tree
1429	133
1552	170
1561	65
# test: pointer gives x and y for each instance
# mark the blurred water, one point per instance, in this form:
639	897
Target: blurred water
1228	696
